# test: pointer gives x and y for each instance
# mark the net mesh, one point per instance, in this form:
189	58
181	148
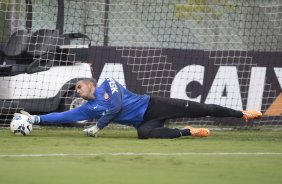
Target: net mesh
226	52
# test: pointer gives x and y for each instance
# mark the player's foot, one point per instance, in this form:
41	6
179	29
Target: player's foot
251	114
198	132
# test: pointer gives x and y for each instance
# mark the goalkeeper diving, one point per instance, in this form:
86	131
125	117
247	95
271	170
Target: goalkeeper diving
112	103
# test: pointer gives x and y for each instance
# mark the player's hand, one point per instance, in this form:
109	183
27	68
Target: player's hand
92	131
33	118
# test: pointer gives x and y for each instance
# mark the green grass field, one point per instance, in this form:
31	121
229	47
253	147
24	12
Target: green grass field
65	155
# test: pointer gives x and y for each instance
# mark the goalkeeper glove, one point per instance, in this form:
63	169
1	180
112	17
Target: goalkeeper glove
34	118
92	131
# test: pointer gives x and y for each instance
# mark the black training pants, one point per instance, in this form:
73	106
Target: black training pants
161	109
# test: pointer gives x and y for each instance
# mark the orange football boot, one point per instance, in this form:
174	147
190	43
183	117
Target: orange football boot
251	114
198	132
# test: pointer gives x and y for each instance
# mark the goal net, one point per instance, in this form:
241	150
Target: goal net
225	52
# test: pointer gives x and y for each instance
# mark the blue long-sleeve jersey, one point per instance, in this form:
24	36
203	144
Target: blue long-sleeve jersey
112	103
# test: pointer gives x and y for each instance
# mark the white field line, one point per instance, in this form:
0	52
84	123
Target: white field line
140	154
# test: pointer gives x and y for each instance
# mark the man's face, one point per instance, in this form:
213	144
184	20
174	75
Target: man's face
84	90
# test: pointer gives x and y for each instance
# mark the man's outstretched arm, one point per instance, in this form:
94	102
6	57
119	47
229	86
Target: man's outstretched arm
70	116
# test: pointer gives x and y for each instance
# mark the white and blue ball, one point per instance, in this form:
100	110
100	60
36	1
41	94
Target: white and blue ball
21	125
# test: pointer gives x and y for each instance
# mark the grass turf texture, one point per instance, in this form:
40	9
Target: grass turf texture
96	165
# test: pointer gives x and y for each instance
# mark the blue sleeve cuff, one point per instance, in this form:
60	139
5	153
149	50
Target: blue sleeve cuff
99	126
36	119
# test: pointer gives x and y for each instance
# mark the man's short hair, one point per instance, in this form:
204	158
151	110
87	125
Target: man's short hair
90	80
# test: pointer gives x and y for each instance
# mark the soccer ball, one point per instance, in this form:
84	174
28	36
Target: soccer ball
21	125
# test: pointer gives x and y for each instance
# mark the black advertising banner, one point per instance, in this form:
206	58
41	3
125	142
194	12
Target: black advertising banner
235	79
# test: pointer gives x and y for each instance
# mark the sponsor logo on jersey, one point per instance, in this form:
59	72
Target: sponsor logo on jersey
113	85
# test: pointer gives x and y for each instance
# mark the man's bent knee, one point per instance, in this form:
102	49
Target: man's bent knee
143	133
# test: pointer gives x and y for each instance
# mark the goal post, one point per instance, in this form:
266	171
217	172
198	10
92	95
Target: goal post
223	52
